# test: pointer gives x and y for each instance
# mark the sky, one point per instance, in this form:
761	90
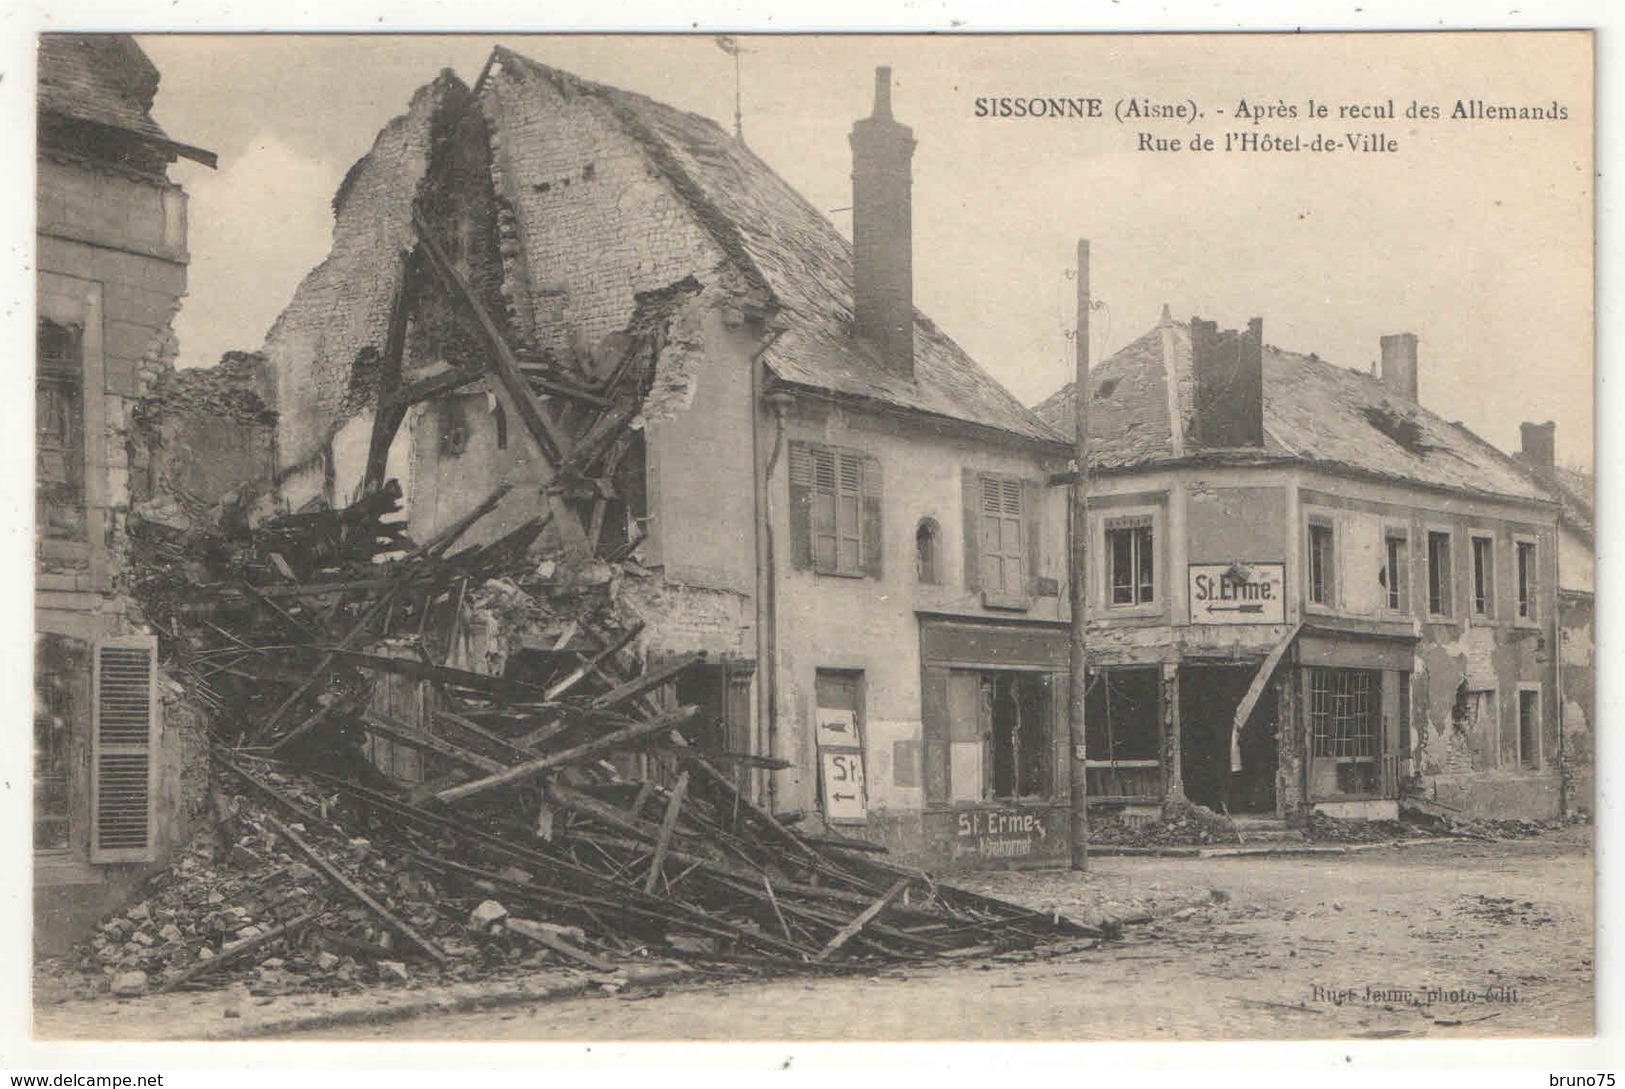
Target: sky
1475	235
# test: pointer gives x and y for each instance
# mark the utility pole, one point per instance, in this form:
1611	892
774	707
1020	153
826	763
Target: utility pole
1078	539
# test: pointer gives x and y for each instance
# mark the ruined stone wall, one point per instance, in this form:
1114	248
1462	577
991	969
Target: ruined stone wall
324	346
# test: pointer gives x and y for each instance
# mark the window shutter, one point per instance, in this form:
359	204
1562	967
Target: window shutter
801	473
121	754
872	493
971	495
1032	498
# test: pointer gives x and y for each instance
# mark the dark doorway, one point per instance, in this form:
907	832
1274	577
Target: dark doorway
1208	698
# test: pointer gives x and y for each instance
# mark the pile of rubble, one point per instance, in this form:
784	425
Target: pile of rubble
557	809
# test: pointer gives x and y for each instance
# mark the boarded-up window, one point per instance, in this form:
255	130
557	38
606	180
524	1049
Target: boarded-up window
59	421
834	510
121	770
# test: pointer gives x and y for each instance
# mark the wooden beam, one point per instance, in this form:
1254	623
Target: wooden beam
667	826
397	731
400	926
434	385
637	686
850	930
591	665
552	442
609	742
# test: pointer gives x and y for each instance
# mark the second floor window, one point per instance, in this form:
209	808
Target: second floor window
1129	552
835	510
1322	570
926	542
1001	532
1439	574
1528	580
1396	575
1483	576
59	451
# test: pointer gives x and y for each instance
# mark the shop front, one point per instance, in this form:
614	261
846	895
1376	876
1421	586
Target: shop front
994	721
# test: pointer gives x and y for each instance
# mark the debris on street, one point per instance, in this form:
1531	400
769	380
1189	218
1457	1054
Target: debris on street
555	809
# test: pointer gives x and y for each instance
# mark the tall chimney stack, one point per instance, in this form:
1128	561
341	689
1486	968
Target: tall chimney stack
1399	365
1228	368
882	231
1540	445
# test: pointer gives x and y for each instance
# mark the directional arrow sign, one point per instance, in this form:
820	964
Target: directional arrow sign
1240	592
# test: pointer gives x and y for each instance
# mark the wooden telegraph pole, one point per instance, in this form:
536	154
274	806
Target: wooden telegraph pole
1078	538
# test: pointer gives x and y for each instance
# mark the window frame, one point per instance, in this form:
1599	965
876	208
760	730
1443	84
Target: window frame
1141	526
928	568
1004	596
1102	523
847	473
69	300
1482	606
1314	524
1448	585
1526	610
1399	584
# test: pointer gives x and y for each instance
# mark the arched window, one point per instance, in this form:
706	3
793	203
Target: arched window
927	541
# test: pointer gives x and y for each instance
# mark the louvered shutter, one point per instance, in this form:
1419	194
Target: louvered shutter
801	476
121	753
970	512
1032	501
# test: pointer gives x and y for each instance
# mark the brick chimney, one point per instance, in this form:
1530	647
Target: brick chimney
1228	369
1399	365
882	231
1540	445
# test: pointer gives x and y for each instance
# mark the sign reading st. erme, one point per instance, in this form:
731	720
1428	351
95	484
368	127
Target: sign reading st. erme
1238	593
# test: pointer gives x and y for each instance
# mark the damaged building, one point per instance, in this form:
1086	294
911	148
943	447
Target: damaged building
1310	593
619	312
117	761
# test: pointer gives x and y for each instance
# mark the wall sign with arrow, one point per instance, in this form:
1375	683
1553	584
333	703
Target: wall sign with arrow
840	766
1238	593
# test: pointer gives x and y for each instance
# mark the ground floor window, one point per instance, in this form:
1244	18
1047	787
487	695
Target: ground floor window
61	709
1001	735
1345	724
1123	719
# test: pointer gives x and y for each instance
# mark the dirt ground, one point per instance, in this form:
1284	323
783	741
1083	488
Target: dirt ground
1451	941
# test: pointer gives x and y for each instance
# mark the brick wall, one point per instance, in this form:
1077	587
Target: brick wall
591	219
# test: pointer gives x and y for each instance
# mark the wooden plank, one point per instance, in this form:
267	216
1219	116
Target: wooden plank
850	930
513	753
608	743
539	933
400	926
673	806
648	682
591	665
1244	709
232	952
434	386
400	732
552	442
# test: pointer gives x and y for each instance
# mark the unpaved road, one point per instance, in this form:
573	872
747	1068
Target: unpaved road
1287	951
